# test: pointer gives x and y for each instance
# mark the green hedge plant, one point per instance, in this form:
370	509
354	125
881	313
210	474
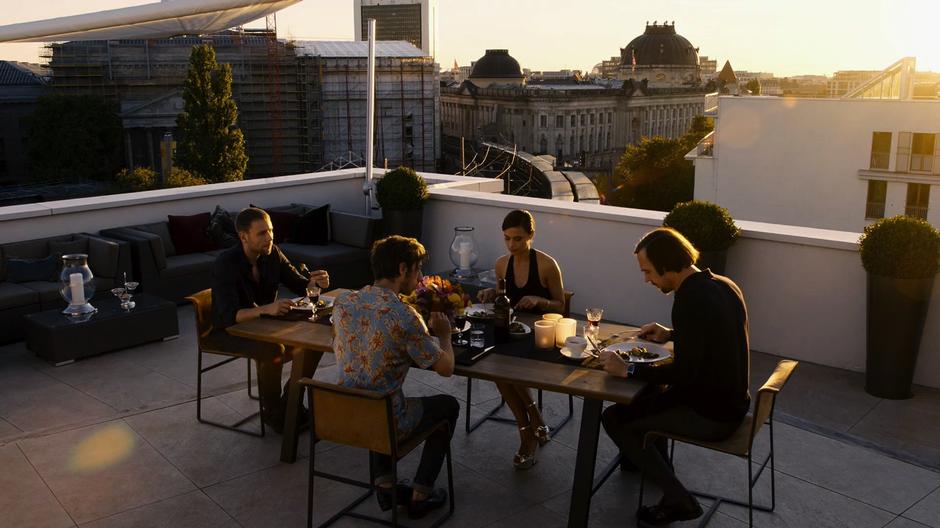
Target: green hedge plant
901	247
707	225
401	189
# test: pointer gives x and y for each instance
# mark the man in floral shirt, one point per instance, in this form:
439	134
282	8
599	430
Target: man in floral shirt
378	339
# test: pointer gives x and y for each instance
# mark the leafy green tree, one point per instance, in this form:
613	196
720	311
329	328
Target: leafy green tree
211	145
753	86
74	138
654	174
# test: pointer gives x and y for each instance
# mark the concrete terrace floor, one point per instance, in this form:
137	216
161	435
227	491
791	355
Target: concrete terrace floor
112	441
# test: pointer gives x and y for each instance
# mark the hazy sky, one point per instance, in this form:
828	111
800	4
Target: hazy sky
786	37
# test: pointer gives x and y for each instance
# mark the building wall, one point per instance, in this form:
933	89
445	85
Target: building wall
807	161
17	104
414	21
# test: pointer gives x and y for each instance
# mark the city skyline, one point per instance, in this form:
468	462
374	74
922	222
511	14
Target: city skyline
805	38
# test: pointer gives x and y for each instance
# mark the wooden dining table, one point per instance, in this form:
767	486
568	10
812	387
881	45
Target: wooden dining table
593	385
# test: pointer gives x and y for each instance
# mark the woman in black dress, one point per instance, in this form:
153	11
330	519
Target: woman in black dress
534	284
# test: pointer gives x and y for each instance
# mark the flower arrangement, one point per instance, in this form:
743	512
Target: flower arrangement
435	294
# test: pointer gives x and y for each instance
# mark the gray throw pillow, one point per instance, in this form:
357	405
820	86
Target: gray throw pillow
30	270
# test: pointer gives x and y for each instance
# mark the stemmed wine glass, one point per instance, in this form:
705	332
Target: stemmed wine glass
129	287
460	321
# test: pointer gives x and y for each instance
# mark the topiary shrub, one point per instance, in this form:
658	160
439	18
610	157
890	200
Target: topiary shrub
137	179
708	226
902	247
401	189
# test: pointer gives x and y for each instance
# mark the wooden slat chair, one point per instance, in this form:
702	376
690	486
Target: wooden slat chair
202	304
364	419
740	444
491	414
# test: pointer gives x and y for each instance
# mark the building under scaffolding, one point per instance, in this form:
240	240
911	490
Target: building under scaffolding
301	105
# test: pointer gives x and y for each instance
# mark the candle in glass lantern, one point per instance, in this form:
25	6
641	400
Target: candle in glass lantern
564	328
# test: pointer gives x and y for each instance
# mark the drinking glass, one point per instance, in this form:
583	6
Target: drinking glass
129	287
313	295
594	316
460	320
477	339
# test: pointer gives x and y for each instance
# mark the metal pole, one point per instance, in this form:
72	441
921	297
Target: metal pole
368	187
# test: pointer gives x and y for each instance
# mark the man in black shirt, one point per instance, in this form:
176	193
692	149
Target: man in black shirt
707	383
245	280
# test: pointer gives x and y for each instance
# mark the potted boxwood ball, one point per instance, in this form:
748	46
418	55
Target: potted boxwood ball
709	227
901	255
401	194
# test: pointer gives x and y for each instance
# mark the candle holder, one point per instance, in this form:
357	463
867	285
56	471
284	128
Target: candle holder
463	251
78	284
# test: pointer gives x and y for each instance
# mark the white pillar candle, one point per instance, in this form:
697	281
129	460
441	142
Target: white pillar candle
77	286
554	317
564	327
464	255
544	334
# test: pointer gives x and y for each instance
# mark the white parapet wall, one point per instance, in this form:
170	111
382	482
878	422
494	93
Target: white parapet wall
805	288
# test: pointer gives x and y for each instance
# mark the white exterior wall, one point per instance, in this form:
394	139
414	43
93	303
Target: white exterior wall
797	161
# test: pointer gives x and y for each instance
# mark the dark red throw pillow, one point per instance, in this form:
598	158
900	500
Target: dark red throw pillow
284	224
189	233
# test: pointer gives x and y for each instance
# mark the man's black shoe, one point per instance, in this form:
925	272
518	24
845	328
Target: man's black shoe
418	509
384	496
663	514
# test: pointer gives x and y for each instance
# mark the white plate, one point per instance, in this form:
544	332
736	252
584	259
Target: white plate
327	302
565	351
624	347
480	310
526	330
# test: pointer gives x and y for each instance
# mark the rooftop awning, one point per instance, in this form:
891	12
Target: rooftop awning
150	21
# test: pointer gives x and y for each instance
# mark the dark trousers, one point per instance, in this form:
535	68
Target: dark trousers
436	408
270	359
627	425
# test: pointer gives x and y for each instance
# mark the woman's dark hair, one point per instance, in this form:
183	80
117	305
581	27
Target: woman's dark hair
247	217
667	250
520	218
389	252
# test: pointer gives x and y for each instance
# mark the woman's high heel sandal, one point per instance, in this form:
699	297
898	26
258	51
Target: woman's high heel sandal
542	433
524	461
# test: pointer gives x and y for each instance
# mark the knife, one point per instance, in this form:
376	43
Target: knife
485	350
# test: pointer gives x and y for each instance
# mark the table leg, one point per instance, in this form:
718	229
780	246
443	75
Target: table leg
584	467
304	363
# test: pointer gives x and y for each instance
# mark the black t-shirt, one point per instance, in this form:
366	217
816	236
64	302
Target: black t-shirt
233	287
711	370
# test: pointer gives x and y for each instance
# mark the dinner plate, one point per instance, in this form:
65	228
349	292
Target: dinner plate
480	310
327	303
526	330
565	351
628	345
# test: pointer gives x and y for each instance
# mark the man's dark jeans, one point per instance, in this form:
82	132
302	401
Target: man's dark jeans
436	408
627	425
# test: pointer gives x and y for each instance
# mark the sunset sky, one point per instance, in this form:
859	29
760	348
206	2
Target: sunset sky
787	38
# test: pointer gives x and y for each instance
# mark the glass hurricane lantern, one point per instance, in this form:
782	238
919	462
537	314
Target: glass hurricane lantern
78	284
463	251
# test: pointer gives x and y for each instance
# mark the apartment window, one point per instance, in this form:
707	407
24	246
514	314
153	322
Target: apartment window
880	151
582	119
918	196
875	206
559	121
600	118
610	117
574	120
543	121
922	152
592	119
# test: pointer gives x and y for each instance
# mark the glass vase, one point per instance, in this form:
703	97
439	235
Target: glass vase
78	284
463	251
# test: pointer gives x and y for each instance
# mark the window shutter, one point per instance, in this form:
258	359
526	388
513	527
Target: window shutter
903	160
936	154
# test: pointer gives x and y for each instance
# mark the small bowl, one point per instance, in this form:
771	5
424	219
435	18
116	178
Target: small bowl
576	344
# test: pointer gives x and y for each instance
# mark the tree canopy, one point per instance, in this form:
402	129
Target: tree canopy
74	138
211	145
654	173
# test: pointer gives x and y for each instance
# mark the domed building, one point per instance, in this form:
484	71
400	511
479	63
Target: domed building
497	66
662	57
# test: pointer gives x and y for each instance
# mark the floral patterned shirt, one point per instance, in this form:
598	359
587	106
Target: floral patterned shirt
378	338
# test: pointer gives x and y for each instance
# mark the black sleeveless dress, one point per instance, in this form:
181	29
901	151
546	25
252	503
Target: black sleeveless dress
533	285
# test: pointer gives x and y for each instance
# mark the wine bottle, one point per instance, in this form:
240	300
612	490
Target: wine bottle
503	311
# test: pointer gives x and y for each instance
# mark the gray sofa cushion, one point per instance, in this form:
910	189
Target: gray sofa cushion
48	293
16	295
66	247
352	229
103	257
29	249
182	265
318	257
161	229
27	270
